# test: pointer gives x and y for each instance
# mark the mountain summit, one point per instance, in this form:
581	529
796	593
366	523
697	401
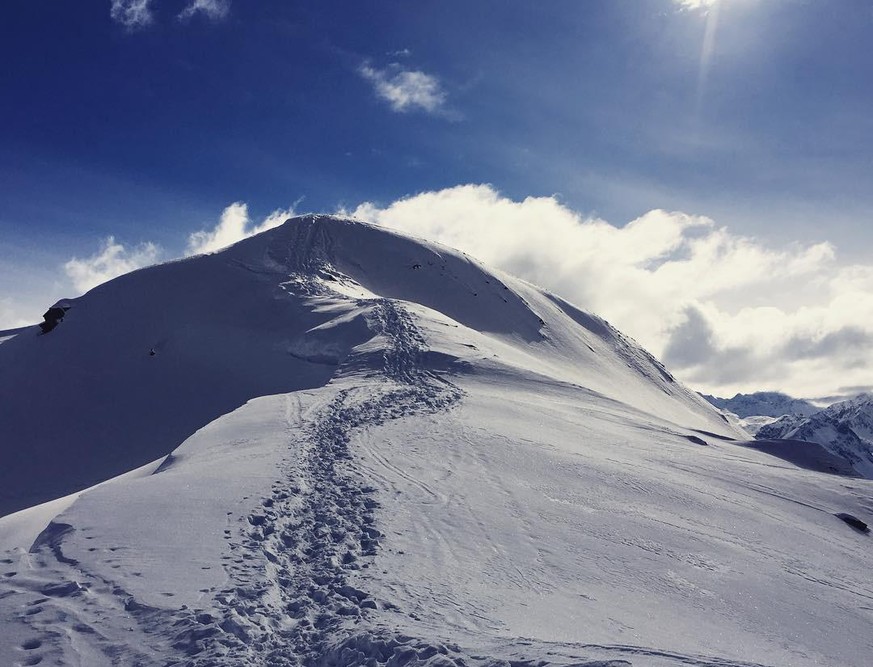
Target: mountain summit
140	363
764	404
334	444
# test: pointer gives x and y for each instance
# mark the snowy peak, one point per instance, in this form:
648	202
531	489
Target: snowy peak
370	260
845	429
555	338
168	349
763	404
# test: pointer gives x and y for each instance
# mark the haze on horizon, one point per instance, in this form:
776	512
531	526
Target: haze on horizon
695	171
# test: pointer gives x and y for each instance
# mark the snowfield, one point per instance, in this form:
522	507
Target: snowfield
332	444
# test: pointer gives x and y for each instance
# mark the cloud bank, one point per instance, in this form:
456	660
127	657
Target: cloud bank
406	90
725	312
112	260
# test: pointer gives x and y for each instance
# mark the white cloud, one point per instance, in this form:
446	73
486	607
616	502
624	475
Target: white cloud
727	312
132	14
405	90
27	289
112	260
11	315
233	226
212	9
137	14
703	5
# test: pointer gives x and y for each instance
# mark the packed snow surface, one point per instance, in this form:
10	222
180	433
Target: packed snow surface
332	444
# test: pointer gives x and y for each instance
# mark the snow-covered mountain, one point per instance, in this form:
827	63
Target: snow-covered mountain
763	404
332	444
845	429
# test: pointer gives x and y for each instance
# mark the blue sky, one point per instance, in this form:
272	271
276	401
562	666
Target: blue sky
144	119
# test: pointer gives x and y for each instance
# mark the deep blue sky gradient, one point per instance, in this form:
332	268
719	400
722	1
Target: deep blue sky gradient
149	134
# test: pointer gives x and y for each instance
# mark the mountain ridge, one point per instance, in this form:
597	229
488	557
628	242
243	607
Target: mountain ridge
763	404
242	326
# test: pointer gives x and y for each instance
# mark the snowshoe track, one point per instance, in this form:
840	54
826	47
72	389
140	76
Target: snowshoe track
292	600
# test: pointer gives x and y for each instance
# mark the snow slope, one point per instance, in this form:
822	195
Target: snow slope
352	447
844	429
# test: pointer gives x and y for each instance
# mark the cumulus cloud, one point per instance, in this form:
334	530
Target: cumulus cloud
406	90
692	347
849	343
132	14
112	260
726	312
233	226
11	316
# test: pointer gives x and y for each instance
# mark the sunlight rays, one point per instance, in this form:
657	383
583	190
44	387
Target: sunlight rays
706	50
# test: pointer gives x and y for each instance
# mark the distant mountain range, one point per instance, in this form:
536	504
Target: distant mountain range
844	429
765	404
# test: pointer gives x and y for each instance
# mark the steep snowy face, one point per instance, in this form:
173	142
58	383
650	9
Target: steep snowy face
763	404
845	429
521	326
138	364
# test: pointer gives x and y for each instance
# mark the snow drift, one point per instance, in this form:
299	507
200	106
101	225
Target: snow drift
332	444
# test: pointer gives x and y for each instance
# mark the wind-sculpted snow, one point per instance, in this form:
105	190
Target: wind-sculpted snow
401	458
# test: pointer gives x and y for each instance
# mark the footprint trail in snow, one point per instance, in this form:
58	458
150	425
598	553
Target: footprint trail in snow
293	604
